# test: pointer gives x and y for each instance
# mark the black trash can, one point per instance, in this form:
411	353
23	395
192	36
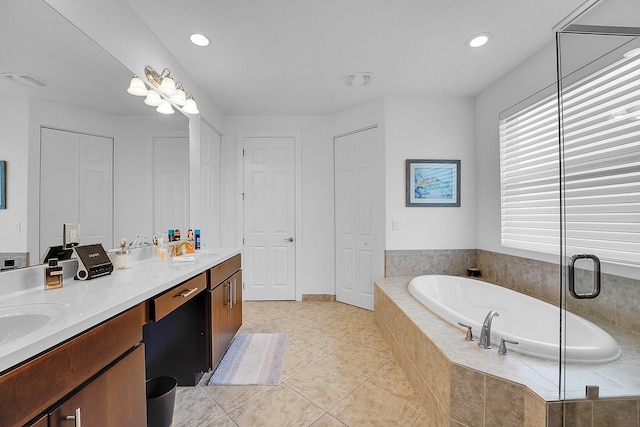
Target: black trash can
161	398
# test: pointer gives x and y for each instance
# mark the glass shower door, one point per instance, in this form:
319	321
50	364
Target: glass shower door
599	124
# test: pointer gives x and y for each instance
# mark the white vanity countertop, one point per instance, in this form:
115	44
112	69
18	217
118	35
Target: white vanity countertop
81	305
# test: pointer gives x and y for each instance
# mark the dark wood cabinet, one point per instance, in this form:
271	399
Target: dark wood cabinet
27	391
115	398
99	375
225	298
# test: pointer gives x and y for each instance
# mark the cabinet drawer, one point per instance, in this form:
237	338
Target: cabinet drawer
222	271
28	390
175	297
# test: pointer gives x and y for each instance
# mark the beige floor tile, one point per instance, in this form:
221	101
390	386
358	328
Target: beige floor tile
320	342
392	378
194	407
225	421
376	342
296	359
325	383
329	343
230	397
358	358
328	421
278	407
374	406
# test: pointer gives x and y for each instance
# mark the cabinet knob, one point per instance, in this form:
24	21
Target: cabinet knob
77	419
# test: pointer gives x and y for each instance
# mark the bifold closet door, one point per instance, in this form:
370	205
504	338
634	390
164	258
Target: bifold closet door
358	207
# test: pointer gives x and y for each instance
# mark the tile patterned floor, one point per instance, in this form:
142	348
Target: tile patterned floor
338	371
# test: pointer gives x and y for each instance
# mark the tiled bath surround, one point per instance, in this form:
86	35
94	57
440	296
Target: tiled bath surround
461	384
617	304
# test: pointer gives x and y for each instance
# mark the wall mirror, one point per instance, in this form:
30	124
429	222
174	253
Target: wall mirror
55	77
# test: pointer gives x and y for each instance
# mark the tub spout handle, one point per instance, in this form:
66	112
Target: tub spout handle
503	346
469	336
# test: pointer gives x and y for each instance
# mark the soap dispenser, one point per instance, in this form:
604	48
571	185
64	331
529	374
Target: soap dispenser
53	275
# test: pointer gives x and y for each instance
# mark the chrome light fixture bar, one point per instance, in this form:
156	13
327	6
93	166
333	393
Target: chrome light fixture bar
164	93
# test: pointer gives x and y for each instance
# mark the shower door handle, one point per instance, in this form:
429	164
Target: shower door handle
596	276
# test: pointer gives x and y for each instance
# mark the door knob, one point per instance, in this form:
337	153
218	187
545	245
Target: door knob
290	240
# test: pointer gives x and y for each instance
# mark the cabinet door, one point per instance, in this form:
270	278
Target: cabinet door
42	422
235	314
219	321
115	398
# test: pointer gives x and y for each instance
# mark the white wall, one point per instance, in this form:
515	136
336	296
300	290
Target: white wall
13	149
420	127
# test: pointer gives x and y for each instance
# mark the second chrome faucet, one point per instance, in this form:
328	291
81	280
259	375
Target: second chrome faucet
485	333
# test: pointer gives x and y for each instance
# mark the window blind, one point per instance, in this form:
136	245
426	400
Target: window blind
601	168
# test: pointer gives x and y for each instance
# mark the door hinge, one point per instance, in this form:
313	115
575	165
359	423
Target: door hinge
242	196
243	241
243	152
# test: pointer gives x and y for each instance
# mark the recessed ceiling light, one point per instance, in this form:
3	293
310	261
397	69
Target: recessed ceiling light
199	39
478	40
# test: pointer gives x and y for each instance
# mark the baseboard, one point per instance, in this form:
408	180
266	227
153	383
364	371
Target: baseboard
319	297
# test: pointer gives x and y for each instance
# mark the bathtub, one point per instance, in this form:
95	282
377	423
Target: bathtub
533	323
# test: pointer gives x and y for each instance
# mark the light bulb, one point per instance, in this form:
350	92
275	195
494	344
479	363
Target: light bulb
165	108
137	87
190	107
153	99
168	86
180	98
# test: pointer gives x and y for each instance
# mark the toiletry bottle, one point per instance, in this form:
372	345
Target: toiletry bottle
176	235
197	237
170	235
53	275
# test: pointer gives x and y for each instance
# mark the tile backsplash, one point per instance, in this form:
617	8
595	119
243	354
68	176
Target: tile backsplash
617	303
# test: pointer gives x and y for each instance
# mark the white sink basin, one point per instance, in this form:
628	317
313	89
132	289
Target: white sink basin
18	321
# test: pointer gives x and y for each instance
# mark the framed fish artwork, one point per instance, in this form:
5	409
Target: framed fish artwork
433	183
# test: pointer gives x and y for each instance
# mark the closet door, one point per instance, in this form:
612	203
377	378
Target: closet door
76	186
359	211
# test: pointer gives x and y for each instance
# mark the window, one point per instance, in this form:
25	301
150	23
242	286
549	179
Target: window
601	156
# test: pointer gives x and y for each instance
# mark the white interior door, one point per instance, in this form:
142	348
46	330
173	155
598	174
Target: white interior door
269	218
358	209
210	186
170	184
76	186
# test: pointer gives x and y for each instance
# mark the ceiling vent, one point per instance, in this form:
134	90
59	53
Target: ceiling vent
358	79
24	79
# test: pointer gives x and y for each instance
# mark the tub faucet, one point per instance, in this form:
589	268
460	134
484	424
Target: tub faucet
485	334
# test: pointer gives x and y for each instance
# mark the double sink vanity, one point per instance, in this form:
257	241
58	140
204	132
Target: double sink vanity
84	351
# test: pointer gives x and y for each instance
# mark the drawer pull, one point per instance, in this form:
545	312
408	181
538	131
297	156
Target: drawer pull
75	418
186	293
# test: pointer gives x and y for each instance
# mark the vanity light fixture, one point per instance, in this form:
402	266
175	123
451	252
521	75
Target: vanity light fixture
478	40
164	93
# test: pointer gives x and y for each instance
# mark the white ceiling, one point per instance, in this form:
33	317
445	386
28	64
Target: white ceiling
286	57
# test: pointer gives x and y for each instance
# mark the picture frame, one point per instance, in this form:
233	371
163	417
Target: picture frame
433	183
3	184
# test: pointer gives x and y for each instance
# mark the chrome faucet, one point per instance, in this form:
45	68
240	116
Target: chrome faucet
485	334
